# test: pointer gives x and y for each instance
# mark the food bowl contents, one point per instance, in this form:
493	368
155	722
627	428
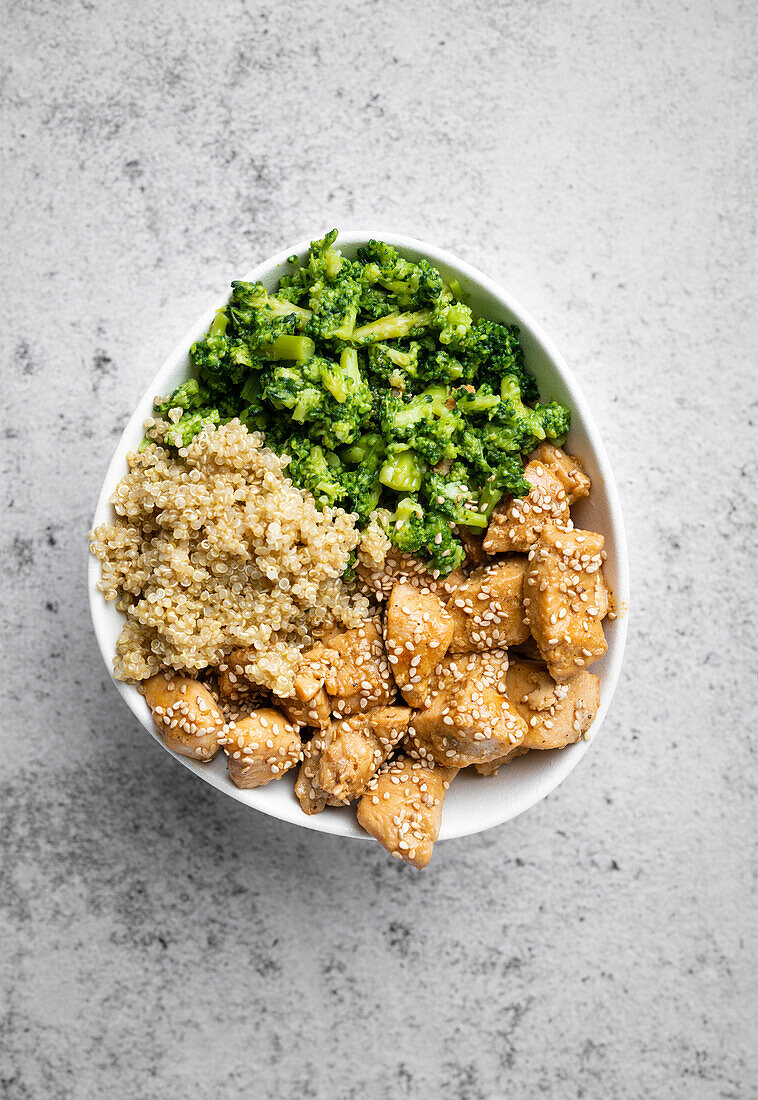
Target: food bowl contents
345	543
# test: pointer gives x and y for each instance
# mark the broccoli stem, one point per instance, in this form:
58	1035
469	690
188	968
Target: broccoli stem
407	507
349	364
220	321
471	519
287	309
392	327
488	498
289	347
402	472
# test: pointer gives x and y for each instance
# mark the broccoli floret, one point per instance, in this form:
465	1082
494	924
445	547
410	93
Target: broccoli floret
555	420
453	319
412	285
421	529
494	350
477	402
260	316
190	425
447	553
394	326
375	303
190	395
516	426
453	496
324	260
441	367
390	364
406	528
362	485
319	471
308	390
222	361
334	301
424	422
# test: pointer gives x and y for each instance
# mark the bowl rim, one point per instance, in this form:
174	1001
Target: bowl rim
336	823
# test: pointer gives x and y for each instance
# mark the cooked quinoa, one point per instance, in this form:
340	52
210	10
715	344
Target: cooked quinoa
214	549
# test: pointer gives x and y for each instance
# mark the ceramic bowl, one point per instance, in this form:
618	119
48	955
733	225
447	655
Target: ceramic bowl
474	803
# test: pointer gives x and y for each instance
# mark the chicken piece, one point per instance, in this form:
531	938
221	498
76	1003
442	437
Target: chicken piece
354	749
566	598
233	682
310	795
492	767
410	570
556	714
487	609
567	468
469	722
402	808
417	631
486	668
317	712
516	524
185	714
261	747
353	668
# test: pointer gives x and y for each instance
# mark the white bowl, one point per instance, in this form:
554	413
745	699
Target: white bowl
474	803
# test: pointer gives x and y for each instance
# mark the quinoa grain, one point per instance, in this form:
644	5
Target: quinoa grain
214	549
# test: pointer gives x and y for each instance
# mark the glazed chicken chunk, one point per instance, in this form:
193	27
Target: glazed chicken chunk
316	712
311	796
185	714
355	748
566	598
516	524
402	808
469	722
487	609
556	715
417	631
567	468
352	667
233	682
487	668
409	569
261	747
492	767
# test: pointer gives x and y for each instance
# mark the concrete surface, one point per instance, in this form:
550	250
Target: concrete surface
599	159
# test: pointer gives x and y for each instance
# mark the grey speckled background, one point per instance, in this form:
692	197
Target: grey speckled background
599	159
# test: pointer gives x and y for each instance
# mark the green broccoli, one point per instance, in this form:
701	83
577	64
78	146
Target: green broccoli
494	350
413	286
191	424
453	319
373	375
317	470
394	326
308	391
388	364
424	422
419	529
362	485
190	395
454	496
401	470
555	420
